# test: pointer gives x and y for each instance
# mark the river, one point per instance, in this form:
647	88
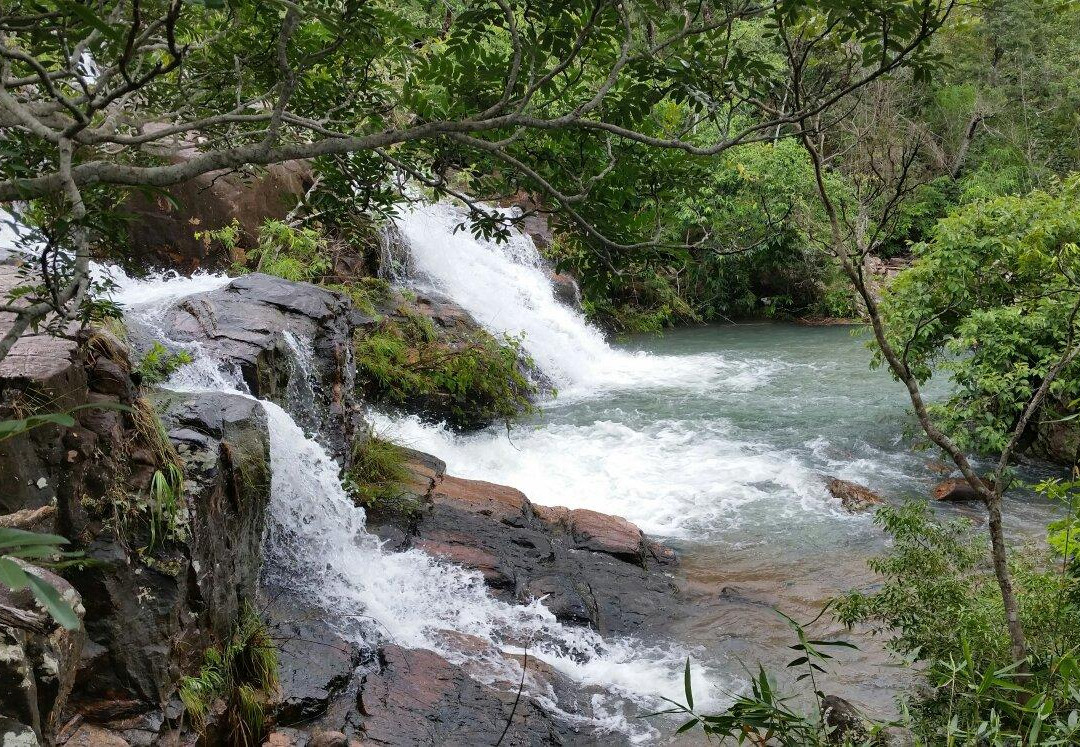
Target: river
714	439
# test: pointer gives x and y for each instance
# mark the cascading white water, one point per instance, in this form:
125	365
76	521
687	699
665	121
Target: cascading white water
317	546
599	444
506	288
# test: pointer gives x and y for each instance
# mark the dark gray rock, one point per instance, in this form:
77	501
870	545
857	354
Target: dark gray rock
416	697
38	661
315	663
150	622
290	342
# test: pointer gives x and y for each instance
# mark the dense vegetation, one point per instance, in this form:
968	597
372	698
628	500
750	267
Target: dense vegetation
702	161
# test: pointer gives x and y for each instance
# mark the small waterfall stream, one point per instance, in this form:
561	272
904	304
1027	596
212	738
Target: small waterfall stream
317	546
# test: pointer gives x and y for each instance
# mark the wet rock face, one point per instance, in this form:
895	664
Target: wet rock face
315	664
589	568
149	622
225	446
416	697
38	659
291	343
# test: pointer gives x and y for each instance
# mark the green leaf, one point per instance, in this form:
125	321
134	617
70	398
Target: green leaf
47	594
12	575
686	685
90	18
687	726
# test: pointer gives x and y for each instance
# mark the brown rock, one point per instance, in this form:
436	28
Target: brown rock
328	739
586	567
163	231
955	489
853	496
89	735
498	502
612	535
456	548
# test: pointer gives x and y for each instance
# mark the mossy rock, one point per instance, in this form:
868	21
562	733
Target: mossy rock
426	355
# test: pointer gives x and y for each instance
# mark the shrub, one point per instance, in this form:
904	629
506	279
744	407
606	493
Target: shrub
466	382
940	604
243	671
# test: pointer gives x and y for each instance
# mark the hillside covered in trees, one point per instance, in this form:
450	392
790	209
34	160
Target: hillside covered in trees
302	298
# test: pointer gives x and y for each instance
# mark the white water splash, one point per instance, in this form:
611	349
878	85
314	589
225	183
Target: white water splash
672	476
317	546
506	288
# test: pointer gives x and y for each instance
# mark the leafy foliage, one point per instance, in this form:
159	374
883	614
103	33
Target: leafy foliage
243	671
764	715
468	381
42	549
939	603
992	301
158	364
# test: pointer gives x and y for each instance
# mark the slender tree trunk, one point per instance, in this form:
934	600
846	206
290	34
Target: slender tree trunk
990	496
965	144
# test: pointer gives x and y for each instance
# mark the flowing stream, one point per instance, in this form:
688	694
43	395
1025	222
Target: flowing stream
713	439
317	547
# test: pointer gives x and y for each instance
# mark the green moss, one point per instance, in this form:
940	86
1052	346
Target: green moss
377	474
366	293
468	382
244	672
158	364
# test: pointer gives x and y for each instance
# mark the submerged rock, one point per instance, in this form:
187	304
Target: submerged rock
853	496
955	489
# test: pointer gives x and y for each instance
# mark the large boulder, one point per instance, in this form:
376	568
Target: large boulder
290	343
38	661
151	615
162	232
588	568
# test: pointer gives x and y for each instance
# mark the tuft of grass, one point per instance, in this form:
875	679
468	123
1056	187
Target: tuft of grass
158	364
377	474
243	672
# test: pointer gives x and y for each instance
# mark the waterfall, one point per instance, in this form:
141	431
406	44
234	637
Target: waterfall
317	546
506	288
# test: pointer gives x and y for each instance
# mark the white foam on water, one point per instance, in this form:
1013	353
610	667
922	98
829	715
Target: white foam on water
317	546
672	478
506	288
